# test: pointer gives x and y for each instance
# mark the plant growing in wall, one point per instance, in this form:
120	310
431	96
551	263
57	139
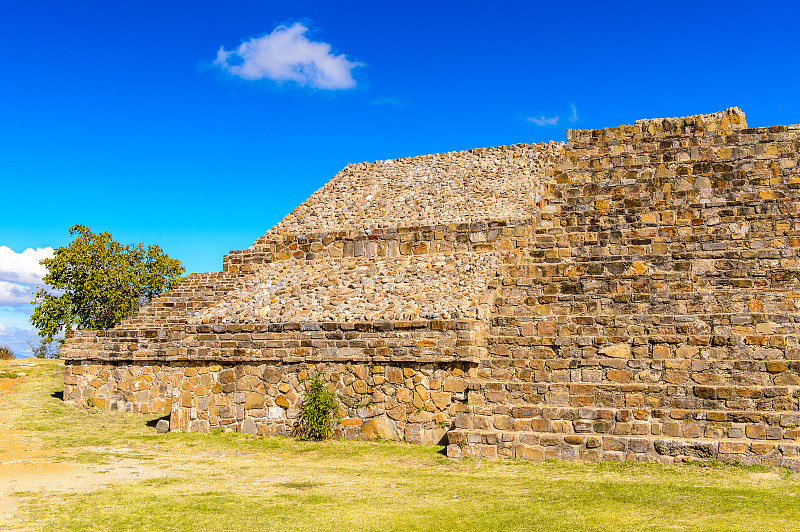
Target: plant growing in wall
316	411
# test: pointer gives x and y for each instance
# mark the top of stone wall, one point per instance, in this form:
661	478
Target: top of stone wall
503	183
478	185
731	119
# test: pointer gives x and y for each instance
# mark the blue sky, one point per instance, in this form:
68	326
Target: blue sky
151	120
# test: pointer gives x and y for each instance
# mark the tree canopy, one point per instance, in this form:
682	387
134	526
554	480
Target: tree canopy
97	282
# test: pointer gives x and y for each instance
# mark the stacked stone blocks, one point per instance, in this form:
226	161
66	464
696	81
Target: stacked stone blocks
638	299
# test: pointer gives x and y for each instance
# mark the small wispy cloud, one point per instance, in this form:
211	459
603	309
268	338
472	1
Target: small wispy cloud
287	54
573	113
543	120
388	100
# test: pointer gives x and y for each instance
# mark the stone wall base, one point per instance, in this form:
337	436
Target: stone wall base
127	387
410	402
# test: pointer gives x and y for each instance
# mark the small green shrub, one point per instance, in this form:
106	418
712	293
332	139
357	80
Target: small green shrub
316	411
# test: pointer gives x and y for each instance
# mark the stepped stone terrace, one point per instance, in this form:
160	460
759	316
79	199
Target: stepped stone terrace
631	294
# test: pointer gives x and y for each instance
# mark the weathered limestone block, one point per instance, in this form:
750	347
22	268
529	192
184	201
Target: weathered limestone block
380	428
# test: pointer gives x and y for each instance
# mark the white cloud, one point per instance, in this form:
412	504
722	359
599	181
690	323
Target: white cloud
18	340
573	113
388	100
23	267
544	121
287	55
15	295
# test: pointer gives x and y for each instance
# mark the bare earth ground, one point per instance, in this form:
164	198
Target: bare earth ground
25	466
65	468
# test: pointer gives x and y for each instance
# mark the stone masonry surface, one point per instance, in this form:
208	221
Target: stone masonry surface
502	183
434	286
633	294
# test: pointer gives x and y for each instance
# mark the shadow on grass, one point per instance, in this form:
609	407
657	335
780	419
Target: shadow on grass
58	395
153	422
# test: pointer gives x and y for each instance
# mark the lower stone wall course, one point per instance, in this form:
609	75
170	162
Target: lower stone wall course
535	446
129	387
412	402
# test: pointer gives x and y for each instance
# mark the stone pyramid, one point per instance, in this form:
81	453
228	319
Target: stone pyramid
630	294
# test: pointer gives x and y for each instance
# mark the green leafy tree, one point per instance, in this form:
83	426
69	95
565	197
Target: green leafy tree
97	282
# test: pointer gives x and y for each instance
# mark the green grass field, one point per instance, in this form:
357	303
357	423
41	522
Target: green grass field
111	471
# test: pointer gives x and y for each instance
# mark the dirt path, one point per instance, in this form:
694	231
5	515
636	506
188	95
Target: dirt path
25	466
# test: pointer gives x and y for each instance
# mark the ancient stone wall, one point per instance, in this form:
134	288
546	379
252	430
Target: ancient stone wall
478	237
655	315
142	387
247	377
411	401
633	294
193	293
504	183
